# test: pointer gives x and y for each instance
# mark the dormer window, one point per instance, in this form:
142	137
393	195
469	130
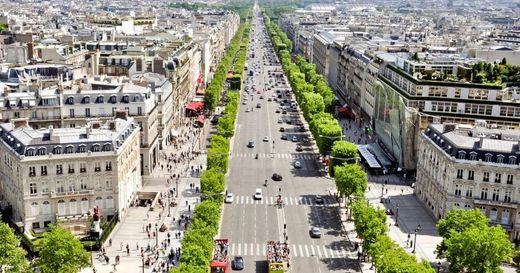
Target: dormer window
82	148
500	159
100	99
86	100
512	160
113	99
42	151
462	155
489	157
125	99
70	100
30	152
136	98
107	147
57	150
95	148
472	156
69	149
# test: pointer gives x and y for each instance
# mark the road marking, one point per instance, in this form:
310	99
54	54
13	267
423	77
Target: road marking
312	251
272	200
239	249
307	251
295	253
301	250
338	254
252	250
232	250
331	252
325	252
245	249
318	250
257	250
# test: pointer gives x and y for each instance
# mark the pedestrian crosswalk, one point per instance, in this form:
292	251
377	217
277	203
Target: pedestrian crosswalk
291	201
295	250
276	155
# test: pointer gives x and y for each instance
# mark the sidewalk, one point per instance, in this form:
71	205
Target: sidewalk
131	230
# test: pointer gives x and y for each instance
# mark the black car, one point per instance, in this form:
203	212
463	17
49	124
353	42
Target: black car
215	118
258	105
276	177
237	263
282	129
299	148
277	111
302	129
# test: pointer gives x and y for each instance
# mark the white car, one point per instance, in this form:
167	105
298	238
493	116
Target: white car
248	109
266	139
280	120
258	194
244	102
229	198
297	164
294	139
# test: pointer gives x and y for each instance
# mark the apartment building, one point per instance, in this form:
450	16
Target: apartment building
471	166
59	174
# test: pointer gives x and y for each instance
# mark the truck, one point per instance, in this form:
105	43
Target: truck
220	261
278	260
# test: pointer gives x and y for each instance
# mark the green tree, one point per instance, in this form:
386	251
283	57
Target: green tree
218	159
370	222
351	180
342	152
61	252
212	182
398	260
208	213
456	221
478	249
311	104
12	257
226	126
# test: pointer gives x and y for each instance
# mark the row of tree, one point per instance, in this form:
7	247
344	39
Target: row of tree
197	244
311	91
213	93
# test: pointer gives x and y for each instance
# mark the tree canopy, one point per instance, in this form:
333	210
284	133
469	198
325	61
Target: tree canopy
12	257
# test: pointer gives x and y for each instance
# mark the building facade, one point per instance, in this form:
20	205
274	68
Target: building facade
466	167
57	174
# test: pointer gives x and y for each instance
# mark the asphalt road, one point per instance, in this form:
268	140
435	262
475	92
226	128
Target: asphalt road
249	224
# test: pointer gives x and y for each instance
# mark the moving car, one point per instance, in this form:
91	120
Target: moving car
251	144
248	109
318	199
276	177
297	164
302	129
299	148
229	198
294	139
315	232
258	105
237	263
265	139
284	136
305	139
244	102
280	120
258	194
282	129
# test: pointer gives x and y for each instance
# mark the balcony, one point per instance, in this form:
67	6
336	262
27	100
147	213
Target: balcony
492	203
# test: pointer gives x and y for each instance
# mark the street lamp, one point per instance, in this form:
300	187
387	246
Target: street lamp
169	205
382	192
397	215
156	235
142	259
417	229
438	266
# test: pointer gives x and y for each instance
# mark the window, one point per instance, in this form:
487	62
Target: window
107	147
139	110
59	169
493	214
17	114
82	185
507	197
57	150
69	149
457	190
71	113
460	173
95	148
498	177
59	187
496	194
509	179
489	157
469	192
100	99
32	188
125	99
140	126
43	170
71	168
486	177
82	148
87	112
108	184
82	167
108	165
484	194
86	99
35	225
45	187
42	151
32	171
72	186
30	152
512	160
70	100
500	159
97	166
462	155
112	99
471	175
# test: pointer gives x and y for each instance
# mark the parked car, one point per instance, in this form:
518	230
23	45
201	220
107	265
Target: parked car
276	177
229	198
251	144
258	194
237	263
318	199
315	232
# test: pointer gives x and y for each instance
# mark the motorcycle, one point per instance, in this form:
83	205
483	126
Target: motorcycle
265	183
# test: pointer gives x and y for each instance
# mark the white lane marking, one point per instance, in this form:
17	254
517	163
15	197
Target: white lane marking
245	249
232	250
252	250
295	253
239	249
306	251
325	252
312	251
257	250
301	250
318	251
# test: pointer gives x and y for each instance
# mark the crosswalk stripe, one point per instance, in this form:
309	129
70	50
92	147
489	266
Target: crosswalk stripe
338	254
263	250
245	249
239	249
232	250
252	251
331	252
307	250
271	200
318	251
257	250
295	253
325	252
301	250
312	251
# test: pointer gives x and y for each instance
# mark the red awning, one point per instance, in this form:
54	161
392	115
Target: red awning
201	91
343	110
195	106
200	119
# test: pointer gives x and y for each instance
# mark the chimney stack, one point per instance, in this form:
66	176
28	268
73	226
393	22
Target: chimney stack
21	122
122	114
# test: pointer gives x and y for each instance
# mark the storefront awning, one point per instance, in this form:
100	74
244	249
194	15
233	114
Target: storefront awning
195	106
200	91
200	119
369	157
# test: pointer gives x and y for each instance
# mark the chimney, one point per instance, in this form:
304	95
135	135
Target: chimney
96	125
112	125
481	141
51	129
122	114
88	130
5	92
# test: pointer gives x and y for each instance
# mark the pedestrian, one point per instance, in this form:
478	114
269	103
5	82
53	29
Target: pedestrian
117	259
137	246
121	246
107	259
147	215
110	242
186	202
189	207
